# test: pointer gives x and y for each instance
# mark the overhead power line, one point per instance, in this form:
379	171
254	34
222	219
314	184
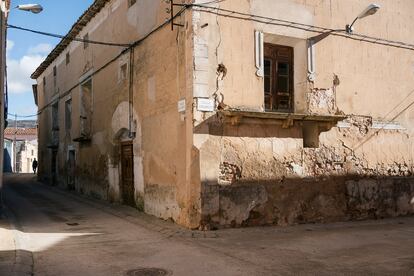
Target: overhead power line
22	116
241	16
296	25
135	44
66	36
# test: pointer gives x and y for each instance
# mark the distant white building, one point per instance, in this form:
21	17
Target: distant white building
20	149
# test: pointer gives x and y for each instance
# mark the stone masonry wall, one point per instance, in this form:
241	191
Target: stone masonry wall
358	172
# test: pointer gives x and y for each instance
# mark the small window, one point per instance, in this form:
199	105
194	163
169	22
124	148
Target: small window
86	108
123	72
278	78
68	114
55	116
54	77
131	2
44	84
67	58
86	39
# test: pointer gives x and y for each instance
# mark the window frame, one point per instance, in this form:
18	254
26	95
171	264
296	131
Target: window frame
86	43
274	98
55	116
131	3
55	78
68	114
67	58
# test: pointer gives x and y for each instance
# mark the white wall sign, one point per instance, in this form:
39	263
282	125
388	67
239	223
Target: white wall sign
206	105
181	105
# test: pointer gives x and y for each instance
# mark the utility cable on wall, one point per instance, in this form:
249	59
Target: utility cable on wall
230	14
124	51
66	36
296	25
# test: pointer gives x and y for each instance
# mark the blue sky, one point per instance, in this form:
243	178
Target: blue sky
26	50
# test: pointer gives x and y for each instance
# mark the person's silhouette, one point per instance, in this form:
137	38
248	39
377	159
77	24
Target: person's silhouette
34	165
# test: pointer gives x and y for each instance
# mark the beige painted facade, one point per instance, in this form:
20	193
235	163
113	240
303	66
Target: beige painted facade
236	164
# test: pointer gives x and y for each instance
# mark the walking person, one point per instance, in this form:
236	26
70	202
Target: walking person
34	165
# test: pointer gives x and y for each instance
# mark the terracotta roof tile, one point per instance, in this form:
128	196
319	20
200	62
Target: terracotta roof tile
21	133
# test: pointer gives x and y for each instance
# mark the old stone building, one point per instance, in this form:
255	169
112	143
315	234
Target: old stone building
20	149
238	113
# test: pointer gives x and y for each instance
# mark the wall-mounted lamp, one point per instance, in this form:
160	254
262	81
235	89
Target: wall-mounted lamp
34	8
370	10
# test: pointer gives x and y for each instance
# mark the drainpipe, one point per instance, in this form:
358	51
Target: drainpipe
131	127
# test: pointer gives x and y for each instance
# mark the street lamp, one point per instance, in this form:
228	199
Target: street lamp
370	10
34	8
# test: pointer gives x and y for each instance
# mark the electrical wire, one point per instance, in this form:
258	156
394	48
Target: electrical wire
242	16
296	25
212	2
66	36
22	116
136	43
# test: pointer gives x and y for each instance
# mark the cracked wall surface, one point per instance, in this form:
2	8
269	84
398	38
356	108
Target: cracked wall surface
277	181
138	109
260	172
204	174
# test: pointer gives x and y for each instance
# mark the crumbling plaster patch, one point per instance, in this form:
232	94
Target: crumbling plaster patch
257	177
321	101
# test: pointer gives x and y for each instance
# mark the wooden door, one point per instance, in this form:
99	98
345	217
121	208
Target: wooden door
127	174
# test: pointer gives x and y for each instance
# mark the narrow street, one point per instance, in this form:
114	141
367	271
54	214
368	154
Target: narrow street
56	232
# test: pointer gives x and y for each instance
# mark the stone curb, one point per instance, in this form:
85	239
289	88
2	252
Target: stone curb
23	260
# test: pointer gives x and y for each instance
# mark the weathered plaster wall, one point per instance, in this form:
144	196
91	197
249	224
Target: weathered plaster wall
259	179
261	174
162	70
198	172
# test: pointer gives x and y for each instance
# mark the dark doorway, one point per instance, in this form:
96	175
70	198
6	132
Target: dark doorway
71	170
127	174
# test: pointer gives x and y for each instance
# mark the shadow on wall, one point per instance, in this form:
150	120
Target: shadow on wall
7	166
288	201
215	127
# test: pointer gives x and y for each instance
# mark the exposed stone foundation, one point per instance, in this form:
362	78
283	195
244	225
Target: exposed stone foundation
294	201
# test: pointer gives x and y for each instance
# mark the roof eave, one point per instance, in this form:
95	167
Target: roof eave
83	20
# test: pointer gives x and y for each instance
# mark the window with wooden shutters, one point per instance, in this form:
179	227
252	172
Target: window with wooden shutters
86	109
278	78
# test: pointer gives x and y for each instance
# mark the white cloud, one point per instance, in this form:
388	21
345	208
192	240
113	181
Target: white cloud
10	45
26	109
42	48
19	70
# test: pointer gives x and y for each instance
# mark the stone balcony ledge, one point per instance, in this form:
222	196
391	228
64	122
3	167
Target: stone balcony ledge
286	120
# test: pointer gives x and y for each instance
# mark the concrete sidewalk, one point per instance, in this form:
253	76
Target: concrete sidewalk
7	246
13	260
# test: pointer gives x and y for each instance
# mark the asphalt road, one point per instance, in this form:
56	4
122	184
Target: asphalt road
55	232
